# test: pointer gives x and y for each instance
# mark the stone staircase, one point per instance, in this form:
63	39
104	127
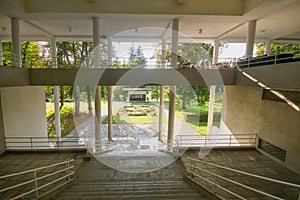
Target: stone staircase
132	190
98	181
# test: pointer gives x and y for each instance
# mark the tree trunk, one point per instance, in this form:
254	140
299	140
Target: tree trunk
62	97
77	100
25	53
88	94
98	135
183	102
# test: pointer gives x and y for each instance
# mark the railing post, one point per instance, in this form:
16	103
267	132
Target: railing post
229	140
180	143
299	196
31	145
5	143
36	184
192	165
68	171
57	142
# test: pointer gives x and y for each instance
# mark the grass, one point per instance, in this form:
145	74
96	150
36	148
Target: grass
195	109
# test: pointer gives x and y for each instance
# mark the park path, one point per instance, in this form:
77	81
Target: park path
144	134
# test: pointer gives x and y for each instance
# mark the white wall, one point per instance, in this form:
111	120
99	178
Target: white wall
2	144
275	122
23	111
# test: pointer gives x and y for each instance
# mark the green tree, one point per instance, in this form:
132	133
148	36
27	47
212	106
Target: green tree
7	54
202	94
136	57
185	94
31	55
278	48
154	94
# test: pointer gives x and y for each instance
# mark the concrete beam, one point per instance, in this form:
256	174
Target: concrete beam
14	76
280	76
191	7
108	77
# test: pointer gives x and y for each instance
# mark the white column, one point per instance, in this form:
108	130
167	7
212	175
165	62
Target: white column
163	53
16	45
212	91
216	51
1	55
268	47
55	90
109	95
161	93
172	93
250	38
96	41
96	51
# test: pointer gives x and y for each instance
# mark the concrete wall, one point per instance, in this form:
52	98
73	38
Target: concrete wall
274	122
2	134
23	111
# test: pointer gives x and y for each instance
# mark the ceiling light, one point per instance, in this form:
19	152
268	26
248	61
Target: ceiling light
181	1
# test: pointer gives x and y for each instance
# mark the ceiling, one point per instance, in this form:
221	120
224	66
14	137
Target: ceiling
144	20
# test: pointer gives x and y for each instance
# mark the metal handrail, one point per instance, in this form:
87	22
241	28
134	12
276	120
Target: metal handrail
235	182
34	143
227	140
35	180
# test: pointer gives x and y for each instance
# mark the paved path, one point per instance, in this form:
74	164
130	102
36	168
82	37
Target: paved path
131	131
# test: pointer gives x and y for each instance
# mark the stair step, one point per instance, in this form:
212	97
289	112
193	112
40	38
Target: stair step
133	183
127	192
122	189
137	196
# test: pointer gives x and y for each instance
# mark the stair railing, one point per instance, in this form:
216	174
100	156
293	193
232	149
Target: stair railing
61	175
194	170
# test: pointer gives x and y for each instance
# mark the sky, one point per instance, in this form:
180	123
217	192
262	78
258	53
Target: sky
232	50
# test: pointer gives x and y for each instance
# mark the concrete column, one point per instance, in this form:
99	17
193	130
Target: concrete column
16	45
161	113
250	38
1	54
96	51
216	51
212	91
210	117
161	93
109	95
55	90
172	94
268	47
163	53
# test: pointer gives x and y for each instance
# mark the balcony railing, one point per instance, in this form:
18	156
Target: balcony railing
213	175
42	181
215	140
44	143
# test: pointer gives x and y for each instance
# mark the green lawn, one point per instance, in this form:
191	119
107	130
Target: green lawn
200	127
